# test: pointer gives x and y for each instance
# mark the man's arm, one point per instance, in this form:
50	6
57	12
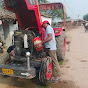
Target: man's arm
48	38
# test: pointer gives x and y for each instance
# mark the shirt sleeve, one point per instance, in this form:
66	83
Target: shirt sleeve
49	30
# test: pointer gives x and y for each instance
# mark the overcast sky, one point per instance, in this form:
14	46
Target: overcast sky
75	8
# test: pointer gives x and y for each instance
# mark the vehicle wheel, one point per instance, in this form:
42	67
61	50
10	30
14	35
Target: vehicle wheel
46	70
61	46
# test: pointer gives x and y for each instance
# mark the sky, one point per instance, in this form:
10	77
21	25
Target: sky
76	9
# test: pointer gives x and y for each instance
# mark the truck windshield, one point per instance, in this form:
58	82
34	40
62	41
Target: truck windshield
11	3
32	2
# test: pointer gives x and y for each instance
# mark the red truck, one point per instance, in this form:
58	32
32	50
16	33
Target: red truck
28	61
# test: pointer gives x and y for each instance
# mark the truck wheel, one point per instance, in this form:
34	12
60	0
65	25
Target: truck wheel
61	46
46	70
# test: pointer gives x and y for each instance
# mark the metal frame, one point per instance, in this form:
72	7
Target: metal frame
19	71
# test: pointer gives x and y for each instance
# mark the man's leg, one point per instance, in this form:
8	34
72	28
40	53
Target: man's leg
53	56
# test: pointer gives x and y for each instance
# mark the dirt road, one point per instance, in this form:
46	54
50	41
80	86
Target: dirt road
74	69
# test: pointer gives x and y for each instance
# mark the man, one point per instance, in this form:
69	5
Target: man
50	44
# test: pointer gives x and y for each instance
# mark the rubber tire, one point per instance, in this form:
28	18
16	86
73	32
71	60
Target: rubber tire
60	45
43	69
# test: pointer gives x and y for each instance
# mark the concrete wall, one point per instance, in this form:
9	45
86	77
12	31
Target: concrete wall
8	28
1	33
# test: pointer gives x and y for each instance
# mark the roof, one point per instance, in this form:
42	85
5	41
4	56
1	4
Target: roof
7	15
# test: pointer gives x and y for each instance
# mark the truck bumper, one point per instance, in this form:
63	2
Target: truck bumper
17	71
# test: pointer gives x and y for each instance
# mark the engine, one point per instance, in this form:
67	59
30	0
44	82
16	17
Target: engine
23	42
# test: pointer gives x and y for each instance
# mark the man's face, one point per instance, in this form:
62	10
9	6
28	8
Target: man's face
45	25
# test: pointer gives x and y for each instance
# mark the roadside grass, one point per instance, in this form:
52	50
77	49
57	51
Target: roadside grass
43	87
60	62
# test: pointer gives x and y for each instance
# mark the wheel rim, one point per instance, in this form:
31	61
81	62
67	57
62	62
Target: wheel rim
49	71
64	45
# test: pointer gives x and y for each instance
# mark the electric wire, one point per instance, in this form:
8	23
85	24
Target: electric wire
68	7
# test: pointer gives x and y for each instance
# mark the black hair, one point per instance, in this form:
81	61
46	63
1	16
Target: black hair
48	23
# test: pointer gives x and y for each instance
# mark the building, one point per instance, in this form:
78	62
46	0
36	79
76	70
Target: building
46	17
7	26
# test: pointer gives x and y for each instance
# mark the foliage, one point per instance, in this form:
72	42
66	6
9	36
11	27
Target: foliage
61	62
57	13
1	4
53	24
85	17
43	87
42	1
68	17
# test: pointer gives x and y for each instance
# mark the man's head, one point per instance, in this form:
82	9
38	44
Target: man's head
45	24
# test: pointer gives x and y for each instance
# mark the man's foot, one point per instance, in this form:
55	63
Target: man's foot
56	78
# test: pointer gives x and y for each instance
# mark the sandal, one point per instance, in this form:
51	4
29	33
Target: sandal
56	79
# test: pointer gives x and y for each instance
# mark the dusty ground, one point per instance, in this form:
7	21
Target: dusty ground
74	69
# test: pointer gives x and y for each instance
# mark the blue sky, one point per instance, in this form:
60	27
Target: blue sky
78	8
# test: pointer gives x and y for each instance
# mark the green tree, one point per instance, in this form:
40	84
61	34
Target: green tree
55	13
85	17
68	17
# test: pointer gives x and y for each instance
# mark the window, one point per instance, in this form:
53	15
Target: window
11	3
32	2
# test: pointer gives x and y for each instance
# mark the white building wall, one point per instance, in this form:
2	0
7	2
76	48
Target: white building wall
12	28
46	18
8	28
1	33
6	32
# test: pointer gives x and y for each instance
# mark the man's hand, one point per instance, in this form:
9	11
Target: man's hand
42	41
12	53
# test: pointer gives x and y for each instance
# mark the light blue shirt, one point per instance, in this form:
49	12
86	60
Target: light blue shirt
52	43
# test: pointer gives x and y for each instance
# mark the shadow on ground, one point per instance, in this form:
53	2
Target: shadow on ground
12	82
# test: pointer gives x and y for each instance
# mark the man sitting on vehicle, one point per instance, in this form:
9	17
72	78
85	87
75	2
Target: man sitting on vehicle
50	45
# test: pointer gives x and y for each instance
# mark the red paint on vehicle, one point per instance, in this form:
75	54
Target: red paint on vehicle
28	15
49	71
43	34
57	34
